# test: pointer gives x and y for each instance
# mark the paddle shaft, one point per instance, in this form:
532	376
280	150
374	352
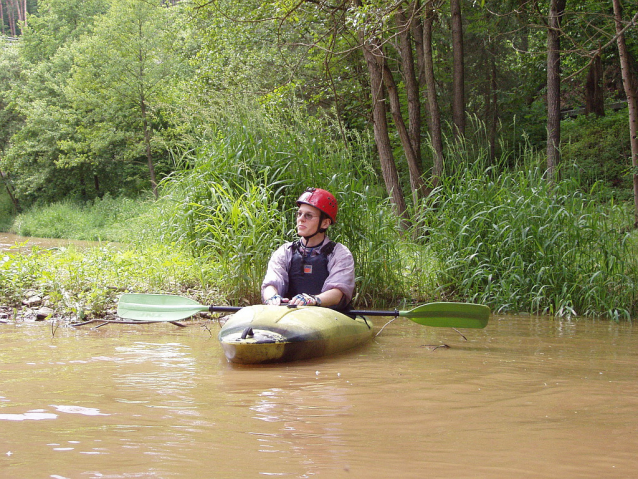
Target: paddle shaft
354	312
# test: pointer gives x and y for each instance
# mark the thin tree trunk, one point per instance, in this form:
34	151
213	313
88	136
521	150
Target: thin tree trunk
523	23
12	22
630	91
594	99
82	181
147	144
14	200
417	35
381	135
458	74
411	84
414	169
493	102
2	16
433	103
556	9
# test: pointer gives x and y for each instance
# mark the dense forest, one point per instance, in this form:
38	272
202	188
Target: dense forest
93	90
397	106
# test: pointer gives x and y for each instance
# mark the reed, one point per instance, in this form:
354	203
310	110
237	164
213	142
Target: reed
235	202
515	241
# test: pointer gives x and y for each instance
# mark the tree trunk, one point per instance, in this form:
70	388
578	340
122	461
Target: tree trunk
417	34
14	200
1	18
458	75
630	91
556	9
411	85
523	24
433	103
493	102
380	122
416	182
96	184
594	99
82	182
12	23
147	144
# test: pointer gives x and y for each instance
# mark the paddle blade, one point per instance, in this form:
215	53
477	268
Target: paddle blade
157	307
449	315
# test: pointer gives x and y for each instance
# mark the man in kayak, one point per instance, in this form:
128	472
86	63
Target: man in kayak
313	270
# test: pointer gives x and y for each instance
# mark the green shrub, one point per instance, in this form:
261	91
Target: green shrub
597	150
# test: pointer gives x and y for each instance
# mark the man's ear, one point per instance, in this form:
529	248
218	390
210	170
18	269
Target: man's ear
325	223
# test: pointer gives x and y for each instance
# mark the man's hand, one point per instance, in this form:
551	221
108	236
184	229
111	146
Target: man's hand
274	300
304	299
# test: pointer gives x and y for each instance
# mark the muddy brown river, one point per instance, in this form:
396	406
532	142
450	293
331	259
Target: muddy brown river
527	397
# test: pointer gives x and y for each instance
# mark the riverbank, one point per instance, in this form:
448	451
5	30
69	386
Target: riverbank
576	259
77	281
13	242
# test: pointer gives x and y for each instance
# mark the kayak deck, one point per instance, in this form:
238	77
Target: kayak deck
267	334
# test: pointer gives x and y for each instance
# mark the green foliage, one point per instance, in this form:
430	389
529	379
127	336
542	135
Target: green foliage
234	227
599	150
234	204
9	78
92	85
80	282
6	209
519	243
57	23
106	219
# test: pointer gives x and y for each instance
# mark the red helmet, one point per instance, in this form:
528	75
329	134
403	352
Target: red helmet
322	200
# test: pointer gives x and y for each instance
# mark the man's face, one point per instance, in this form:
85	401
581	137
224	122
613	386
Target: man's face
308	220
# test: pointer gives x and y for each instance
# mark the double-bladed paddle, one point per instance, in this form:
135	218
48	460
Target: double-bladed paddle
168	307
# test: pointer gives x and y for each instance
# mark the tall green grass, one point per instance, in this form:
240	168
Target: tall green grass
515	241
235	202
106	219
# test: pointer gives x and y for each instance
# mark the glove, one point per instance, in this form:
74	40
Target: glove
274	300
304	299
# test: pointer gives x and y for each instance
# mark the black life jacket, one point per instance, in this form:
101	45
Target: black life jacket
308	272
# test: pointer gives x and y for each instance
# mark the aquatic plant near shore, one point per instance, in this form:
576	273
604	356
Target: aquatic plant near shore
520	243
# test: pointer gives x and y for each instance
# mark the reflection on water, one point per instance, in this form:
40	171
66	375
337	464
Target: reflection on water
526	397
33	415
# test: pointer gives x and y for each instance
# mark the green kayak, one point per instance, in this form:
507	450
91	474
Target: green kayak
269	334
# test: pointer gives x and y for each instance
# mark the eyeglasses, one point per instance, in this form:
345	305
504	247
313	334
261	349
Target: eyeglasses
306	216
